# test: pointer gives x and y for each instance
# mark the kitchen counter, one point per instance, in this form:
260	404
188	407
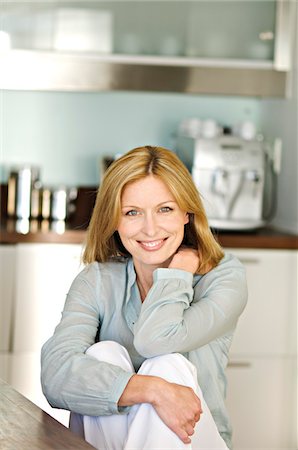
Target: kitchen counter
269	238
45	232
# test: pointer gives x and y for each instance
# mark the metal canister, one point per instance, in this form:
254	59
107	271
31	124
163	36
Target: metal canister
20	183
62	202
36	200
59	203
46	196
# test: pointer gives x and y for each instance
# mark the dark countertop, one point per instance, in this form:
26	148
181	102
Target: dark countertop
41	232
46	232
264	238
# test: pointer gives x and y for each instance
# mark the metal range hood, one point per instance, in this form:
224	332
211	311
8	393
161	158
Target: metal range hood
34	70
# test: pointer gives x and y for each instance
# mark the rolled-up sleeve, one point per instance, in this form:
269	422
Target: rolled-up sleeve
181	315
71	379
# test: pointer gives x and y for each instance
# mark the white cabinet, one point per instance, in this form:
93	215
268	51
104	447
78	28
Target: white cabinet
262	376
7	283
267	325
262	403
4	366
24	376
35	279
44	273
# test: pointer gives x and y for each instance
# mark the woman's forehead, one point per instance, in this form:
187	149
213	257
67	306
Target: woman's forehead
149	186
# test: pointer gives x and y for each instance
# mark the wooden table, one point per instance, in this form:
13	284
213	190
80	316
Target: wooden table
24	426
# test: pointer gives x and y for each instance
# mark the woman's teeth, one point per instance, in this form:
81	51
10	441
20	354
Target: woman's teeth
152	244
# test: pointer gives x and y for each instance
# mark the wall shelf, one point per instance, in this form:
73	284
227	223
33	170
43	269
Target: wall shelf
56	71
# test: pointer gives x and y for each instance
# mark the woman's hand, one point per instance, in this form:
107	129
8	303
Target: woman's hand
185	259
177	406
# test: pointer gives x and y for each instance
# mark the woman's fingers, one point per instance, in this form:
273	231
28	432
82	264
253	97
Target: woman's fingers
179	408
185	259
184	437
190	430
197	416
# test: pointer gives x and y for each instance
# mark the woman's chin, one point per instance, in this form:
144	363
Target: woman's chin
155	260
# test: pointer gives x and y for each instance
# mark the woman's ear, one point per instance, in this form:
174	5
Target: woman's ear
186	219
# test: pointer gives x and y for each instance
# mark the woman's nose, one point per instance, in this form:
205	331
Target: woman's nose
149	225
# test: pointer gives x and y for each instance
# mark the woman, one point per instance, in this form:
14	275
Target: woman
139	356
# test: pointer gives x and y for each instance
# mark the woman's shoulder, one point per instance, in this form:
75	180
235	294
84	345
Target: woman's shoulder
113	267
97	277
228	267
229	259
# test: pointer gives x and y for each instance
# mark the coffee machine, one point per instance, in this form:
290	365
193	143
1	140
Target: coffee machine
236	177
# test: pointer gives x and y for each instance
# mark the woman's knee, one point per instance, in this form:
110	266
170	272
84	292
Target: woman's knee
111	352
174	368
167	364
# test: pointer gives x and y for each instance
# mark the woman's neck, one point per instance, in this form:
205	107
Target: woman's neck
144	282
145	276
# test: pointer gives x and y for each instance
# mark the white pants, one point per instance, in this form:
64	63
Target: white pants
142	428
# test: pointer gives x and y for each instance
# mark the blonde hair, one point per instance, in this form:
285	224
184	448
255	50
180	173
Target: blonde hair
103	241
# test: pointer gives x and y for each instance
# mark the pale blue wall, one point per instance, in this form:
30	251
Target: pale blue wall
66	133
279	118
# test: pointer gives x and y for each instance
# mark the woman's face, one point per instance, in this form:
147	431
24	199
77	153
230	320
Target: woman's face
151	226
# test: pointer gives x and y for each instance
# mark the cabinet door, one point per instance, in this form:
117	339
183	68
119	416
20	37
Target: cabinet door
268	324
24	376
214	29
7	269
44	273
262	403
5	366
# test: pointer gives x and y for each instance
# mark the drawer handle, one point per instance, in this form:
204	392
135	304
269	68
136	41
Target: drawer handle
246	260
239	364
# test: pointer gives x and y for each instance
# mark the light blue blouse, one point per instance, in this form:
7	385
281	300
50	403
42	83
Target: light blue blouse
192	315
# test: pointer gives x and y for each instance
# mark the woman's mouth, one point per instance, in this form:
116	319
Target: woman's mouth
152	245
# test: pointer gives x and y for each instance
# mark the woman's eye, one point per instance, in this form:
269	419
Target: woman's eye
132	212
165	209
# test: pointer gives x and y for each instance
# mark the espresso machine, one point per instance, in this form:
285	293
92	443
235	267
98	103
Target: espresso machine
236	177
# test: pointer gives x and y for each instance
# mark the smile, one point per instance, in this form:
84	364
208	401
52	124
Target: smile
152	245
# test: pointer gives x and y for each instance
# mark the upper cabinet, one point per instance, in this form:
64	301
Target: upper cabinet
220	47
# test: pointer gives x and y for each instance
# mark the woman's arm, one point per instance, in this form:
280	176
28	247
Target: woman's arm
71	379
177	406
177	317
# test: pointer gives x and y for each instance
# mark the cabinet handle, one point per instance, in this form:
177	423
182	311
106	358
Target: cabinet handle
239	364
248	260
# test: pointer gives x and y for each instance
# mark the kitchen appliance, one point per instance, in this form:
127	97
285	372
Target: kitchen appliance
236	178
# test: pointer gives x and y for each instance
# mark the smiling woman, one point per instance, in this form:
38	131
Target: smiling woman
147	325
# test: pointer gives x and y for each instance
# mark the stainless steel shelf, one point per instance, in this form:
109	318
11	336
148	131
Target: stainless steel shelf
56	71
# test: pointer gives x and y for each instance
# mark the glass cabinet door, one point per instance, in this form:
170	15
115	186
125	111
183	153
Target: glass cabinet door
193	29
234	47
197	29
232	29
